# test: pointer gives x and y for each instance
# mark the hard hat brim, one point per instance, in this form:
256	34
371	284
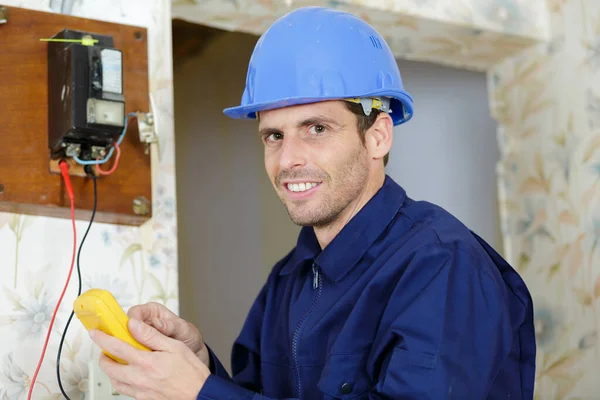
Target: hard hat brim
401	105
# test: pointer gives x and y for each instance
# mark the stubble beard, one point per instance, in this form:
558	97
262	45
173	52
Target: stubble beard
338	193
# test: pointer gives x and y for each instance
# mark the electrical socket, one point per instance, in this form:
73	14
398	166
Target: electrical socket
99	386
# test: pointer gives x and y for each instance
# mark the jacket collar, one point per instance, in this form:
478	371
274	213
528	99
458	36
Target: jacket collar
353	241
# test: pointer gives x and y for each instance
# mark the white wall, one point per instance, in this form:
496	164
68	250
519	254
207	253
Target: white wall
232	226
447	154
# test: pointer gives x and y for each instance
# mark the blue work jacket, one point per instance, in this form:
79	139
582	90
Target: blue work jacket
404	303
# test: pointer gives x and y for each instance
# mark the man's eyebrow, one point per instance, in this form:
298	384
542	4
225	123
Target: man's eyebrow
268	131
319	119
314	120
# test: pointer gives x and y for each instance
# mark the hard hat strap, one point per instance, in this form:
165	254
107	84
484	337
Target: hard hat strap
370	103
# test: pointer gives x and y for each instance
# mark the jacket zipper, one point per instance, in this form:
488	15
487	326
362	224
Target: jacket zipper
316	284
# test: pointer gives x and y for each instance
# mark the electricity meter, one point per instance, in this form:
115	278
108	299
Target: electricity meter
86	108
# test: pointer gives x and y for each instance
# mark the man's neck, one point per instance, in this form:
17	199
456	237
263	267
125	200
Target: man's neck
325	234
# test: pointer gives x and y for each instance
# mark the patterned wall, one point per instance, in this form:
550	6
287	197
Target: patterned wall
547	101
136	264
471	34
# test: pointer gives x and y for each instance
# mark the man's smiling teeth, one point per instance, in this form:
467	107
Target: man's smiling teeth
301	187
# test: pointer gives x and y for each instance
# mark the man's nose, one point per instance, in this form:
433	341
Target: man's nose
292	153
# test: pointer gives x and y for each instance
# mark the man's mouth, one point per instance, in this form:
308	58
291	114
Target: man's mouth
301	186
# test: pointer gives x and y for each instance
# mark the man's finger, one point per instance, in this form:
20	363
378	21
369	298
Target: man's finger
149	336
145	312
124	389
115	347
164	326
118	375
163	319
174	328
111	368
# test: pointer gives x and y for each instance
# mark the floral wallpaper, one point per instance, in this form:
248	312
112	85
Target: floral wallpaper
471	34
543	63
137	264
547	103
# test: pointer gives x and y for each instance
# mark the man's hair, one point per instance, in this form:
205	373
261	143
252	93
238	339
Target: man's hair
365	122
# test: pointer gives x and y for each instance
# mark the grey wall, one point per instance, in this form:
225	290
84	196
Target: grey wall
447	154
232	227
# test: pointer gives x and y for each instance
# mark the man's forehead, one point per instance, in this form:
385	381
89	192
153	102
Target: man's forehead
292	115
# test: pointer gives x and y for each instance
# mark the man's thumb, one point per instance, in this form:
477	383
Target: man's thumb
163	326
148	336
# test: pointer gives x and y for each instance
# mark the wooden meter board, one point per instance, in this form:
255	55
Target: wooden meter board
29	183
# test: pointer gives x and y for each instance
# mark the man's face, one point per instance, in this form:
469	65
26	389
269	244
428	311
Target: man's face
315	160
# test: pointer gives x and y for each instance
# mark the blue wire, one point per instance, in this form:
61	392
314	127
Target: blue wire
112	149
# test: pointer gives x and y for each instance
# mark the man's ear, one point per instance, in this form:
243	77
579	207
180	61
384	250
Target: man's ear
379	137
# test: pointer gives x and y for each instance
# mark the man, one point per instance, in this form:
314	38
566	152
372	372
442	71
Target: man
383	297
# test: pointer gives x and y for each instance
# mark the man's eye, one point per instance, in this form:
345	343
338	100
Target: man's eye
273	137
317	129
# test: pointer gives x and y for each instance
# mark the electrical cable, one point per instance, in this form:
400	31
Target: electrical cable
100	171
64	167
69	187
88	170
111	151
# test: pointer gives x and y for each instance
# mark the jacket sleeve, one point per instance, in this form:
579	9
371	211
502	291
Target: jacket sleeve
452	340
216	367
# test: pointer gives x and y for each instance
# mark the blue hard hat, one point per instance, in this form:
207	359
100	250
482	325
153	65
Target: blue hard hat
313	54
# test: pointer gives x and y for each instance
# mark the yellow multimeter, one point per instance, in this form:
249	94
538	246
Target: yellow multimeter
98	309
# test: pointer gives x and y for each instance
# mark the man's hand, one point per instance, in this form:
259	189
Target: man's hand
169	324
170	372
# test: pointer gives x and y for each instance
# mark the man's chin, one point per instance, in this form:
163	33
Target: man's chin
306	212
302	219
